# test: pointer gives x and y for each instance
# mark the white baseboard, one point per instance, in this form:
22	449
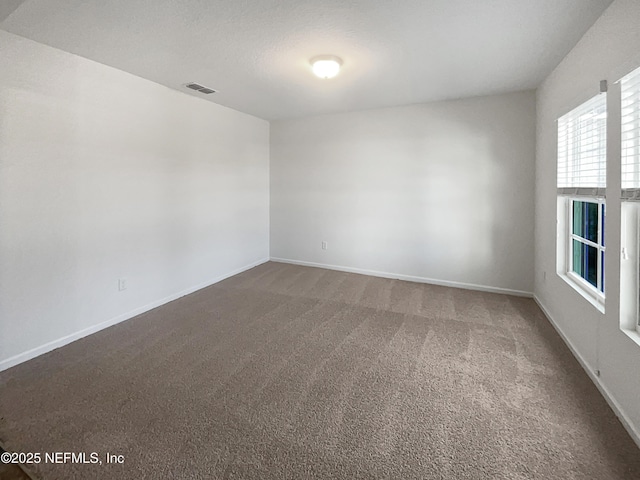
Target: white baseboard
408	278
47	347
604	391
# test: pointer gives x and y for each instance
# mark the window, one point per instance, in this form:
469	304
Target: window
582	147
630	133
586	255
630	180
582	153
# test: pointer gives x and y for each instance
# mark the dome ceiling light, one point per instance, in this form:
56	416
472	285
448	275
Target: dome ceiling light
326	66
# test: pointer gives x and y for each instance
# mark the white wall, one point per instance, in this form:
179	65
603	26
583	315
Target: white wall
440	191
610	49
106	175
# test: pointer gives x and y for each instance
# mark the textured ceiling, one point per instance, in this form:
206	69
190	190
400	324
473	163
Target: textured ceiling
256	52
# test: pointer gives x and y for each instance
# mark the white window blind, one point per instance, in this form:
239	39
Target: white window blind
582	149
630	93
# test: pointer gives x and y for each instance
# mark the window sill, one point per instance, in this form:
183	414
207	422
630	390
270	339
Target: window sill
633	335
587	295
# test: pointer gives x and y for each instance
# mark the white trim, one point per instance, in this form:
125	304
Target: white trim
47	347
585	241
604	391
585	289
634	335
408	278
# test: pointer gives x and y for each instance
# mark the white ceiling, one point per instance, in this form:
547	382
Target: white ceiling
256	52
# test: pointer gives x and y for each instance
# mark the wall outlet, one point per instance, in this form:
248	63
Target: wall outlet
324	245
122	284
544	276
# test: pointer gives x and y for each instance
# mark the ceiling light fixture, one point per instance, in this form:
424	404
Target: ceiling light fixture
326	66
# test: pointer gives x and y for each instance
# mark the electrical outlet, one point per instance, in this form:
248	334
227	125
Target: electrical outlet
544	276
122	284
324	245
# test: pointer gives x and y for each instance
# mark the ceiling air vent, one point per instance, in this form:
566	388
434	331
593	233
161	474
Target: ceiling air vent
199	88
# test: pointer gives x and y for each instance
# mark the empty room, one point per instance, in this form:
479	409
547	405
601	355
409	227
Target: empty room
319	239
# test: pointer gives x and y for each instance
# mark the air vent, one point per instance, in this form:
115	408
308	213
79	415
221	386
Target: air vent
199	88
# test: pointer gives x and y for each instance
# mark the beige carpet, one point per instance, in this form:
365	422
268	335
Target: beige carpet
293	372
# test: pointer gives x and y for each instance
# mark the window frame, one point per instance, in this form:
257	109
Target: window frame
628	116
582	158
579	281
575	148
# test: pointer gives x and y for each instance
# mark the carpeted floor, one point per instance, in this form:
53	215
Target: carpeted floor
293	372
11	471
